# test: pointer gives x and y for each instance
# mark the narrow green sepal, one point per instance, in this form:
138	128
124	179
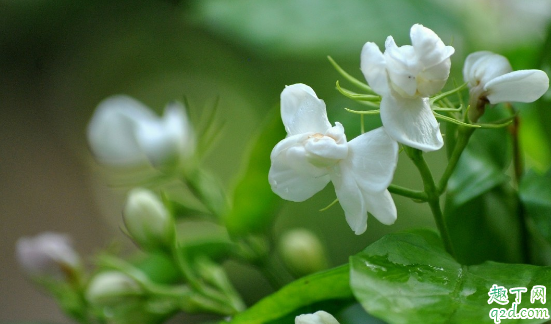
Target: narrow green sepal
455	121
363	112
330	205
447	93
357	96
348	77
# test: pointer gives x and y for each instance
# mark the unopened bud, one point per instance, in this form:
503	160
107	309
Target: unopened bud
147	220
302	252
319	317
112	287
47	255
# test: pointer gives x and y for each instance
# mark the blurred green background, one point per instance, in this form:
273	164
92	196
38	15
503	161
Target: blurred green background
58	59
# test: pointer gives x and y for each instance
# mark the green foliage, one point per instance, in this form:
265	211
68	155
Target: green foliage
409	278
310	27
331	285
481	208
254	203
535	195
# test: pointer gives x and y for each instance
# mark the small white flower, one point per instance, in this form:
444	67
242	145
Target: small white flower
125	132
491	79
47	255
319	317
405	77
314	153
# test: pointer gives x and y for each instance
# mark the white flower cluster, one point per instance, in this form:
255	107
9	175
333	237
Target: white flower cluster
315	153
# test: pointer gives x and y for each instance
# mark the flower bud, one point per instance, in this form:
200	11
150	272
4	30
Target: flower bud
319	317
112	287
302	252
47	255
147	220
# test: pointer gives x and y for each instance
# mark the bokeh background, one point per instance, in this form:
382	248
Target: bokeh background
59	59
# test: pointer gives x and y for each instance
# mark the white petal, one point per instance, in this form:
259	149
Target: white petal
178	125
402	67
372	157
519	86
319	317
429	48
381	206
302	111
291	176
350	197
411	122
483	66
111	130
432	80
171	137
373	66
356	201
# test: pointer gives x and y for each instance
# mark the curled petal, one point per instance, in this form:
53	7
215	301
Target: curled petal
402	67
519	86
481	67
291	176
411	122
432	80
330	147
429	48
111	132
372	157
302	111
373	66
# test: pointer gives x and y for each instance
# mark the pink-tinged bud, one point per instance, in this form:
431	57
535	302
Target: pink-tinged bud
47	255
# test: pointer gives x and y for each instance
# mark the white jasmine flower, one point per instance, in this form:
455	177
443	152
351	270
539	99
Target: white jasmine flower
405	77
491	79
125	132
47	255
319	317
314	153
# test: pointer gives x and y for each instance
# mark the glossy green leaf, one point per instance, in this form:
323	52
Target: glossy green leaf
409	278
331	285
535	194
254	203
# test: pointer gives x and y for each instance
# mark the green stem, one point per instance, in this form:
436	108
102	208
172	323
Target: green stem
461	142
518	167
413	194
433	196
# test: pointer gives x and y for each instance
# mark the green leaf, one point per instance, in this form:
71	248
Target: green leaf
323	286
535	195
409	278
254	203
